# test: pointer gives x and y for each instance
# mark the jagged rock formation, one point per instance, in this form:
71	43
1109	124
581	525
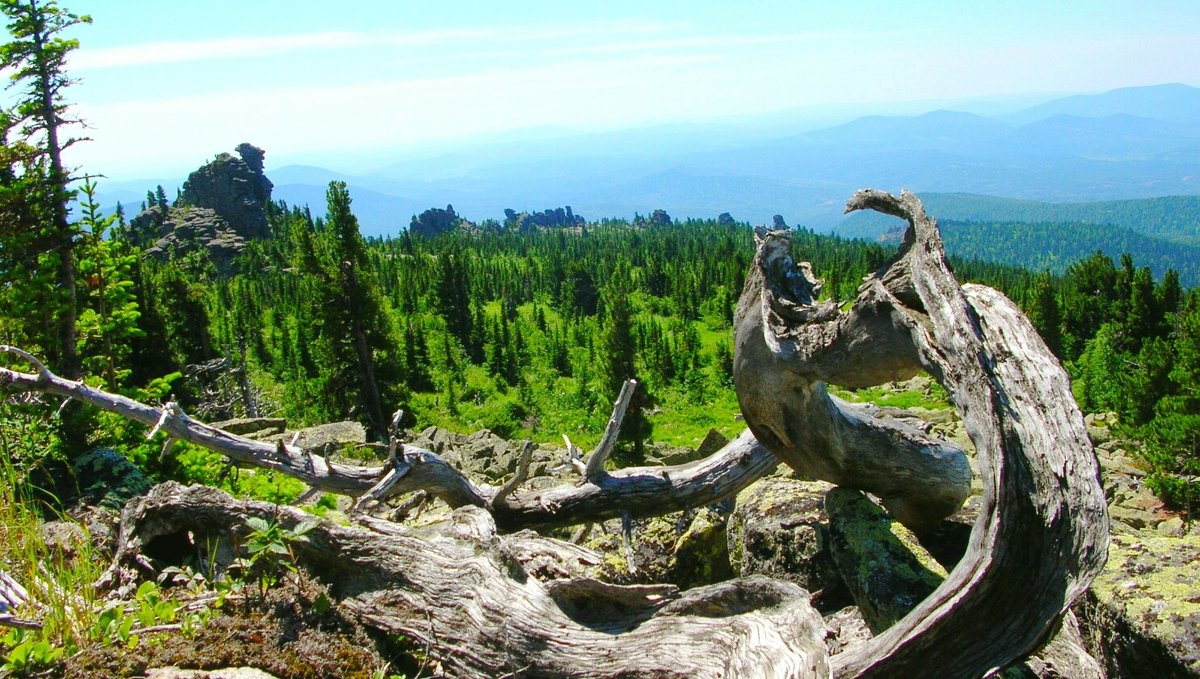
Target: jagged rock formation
222	205
524	222
235	188
436	221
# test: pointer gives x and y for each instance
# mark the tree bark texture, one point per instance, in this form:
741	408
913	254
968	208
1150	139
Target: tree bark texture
1043	531
475	599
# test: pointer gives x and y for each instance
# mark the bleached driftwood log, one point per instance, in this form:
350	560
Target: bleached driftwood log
470	596
1043	531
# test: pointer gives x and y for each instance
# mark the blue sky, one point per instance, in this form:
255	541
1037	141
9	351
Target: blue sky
165	85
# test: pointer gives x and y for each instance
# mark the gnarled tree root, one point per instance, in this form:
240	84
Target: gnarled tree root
473	598
1042	535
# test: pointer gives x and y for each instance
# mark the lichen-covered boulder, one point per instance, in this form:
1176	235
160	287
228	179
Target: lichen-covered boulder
702	553
778	529
1142	614
652	546
881	561
687	549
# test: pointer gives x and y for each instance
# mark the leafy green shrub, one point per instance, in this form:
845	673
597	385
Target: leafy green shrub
269	550
1172	454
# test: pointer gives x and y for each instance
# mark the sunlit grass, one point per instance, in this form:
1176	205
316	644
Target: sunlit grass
59	578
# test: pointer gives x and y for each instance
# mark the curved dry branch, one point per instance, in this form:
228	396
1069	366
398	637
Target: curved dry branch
1042	534
638	491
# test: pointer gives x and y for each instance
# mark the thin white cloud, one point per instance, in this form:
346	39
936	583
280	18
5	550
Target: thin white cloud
266	46
244	47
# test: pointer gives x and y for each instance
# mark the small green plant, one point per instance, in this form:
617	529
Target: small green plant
28	653
269	550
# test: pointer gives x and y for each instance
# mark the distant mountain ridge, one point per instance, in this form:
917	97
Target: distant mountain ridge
1172	102
1140	142
1170	218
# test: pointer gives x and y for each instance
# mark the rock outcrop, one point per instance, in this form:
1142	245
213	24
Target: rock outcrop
235	188
436	221
187	229
221	206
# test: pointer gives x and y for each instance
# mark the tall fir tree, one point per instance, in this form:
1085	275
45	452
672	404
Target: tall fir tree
36	58
362	365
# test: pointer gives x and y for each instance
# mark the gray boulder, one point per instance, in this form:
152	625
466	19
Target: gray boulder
881	561
485	457
325	439
778	528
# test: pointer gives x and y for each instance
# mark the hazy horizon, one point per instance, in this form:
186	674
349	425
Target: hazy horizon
164	86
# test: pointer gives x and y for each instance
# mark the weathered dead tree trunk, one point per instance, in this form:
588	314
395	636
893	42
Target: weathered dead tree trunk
1042	534
472	597
599	495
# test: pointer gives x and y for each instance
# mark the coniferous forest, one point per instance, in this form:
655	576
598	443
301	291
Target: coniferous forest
529	332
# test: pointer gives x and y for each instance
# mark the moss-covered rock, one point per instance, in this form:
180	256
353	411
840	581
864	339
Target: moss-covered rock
1142	614
105	478
778	529
701	554
881	561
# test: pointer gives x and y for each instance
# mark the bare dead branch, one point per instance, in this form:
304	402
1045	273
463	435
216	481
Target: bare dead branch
29	358
595	461
642	491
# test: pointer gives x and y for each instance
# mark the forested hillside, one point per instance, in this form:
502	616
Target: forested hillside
1161	233
1173	218
1054	246
529	330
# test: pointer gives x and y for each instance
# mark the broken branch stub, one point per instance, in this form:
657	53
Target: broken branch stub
1042	534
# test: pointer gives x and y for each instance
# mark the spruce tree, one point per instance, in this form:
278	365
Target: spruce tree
618	357
36	57
109	309
362	365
